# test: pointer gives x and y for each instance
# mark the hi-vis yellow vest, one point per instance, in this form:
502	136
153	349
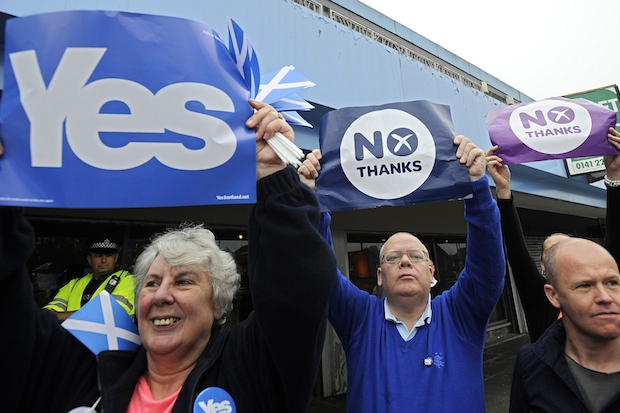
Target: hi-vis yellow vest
69	297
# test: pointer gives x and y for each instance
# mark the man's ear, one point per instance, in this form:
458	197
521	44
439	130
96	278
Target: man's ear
552	295
379	277
431	270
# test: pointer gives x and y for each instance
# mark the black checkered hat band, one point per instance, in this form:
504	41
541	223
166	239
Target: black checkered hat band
106	244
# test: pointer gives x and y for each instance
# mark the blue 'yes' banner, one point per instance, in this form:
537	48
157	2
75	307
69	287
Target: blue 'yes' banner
110	110
394	154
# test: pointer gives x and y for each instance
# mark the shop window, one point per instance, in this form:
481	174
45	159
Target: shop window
55	260
363	265
449	261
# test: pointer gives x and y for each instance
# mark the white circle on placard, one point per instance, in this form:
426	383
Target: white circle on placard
551	126
387	154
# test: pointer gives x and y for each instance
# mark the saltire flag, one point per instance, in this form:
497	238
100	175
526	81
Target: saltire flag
394	154
96	97
244	56
281	83
279	89
292	102
276	88
288	107
554	128
295	118
103	324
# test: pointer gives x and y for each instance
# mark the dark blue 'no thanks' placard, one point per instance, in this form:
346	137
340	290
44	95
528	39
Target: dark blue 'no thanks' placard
394	154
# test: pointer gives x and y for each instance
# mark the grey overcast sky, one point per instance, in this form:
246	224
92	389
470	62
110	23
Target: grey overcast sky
543	48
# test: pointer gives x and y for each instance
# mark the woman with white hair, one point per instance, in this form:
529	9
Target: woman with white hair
193	247
185	285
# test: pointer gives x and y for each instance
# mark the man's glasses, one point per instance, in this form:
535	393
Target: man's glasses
394	257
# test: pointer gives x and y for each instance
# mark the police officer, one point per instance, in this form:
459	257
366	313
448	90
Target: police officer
102	257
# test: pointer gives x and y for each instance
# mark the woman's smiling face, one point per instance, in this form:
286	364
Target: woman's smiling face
175	310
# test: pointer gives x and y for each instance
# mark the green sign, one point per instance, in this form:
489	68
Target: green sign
608	97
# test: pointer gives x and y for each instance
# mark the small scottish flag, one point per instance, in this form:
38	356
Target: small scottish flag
276	88
295	118
244	56
281	83
102	324
291	102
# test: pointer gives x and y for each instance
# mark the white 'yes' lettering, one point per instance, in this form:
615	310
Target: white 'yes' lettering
69	100
215	407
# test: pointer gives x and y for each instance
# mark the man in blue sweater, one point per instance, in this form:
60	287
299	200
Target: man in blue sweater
406	352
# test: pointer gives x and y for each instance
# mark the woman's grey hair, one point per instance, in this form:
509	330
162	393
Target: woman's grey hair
194	246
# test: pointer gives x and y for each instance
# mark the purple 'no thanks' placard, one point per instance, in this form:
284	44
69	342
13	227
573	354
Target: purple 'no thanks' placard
555	128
